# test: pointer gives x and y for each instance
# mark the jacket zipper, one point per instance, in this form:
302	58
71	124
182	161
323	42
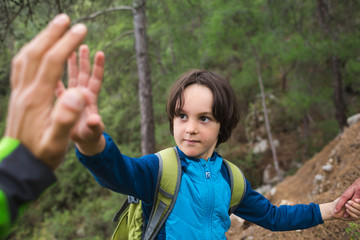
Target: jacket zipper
210	197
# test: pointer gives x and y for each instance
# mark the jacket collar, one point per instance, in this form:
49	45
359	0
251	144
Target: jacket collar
185	160
184	157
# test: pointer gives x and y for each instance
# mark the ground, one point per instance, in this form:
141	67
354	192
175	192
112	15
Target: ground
343	154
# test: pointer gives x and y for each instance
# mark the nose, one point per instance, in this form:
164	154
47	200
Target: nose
191	127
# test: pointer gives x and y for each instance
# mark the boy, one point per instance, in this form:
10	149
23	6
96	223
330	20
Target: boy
202	111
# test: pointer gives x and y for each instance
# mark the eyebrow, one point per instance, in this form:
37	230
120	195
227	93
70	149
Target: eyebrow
206	113
181	110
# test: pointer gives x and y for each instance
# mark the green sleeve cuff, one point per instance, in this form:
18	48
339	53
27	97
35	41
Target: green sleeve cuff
5	217
7	146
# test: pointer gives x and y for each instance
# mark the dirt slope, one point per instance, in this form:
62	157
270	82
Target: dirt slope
343	154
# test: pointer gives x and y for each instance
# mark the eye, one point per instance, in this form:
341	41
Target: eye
204	119
182	116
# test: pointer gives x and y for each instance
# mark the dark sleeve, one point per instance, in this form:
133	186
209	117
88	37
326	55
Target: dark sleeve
259	210
131	176
22	179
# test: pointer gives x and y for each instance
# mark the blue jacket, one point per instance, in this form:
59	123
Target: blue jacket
201	209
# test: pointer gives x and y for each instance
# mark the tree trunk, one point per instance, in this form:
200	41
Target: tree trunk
305	137
284	74
145	88
340	107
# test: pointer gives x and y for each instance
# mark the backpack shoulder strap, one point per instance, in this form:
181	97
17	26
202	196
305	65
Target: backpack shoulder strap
167	189
238	186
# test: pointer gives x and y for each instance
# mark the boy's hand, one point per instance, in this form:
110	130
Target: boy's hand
87	133
352	208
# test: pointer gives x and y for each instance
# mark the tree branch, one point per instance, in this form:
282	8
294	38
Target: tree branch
96	14
119	37
267	124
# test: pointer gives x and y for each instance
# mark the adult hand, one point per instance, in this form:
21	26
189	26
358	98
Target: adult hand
351	193
33	118
87	133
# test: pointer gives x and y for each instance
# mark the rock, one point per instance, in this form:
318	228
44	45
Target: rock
247	238
285	202
353	119
240	221
260	147
327	168
263	189
333	153
80	232
270	175
276	143
319	178
273	191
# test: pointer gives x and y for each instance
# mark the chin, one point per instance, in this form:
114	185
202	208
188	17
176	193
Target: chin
191	153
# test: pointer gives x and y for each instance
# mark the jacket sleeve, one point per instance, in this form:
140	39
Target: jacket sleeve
259	210
22	179
136	177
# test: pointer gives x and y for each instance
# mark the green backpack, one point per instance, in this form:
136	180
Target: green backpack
130	218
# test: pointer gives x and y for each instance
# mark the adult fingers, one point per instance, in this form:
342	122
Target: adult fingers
72	70
349	192
26	62
66	112
97	73
52	63
84	66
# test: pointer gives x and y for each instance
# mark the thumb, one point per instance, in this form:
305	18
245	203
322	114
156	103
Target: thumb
66	112
356	195
340	204
344	197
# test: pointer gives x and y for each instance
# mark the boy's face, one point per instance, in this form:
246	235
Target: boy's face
195	128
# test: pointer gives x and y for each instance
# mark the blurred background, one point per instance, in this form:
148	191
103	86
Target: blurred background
304	54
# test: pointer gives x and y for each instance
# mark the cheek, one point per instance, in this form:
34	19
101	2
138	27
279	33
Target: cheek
216	131
176	127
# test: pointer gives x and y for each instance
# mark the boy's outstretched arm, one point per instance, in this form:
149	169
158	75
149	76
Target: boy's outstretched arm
87	133
352	208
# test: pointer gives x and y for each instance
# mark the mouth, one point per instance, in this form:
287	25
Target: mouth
191	141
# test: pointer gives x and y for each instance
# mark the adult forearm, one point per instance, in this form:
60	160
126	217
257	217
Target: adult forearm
20	185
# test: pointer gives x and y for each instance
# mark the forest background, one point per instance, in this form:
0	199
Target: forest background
306	52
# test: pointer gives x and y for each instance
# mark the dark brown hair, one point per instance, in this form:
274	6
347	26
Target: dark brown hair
225	107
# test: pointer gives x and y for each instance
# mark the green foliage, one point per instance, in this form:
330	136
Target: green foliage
89	219
353	230
251	168
72	208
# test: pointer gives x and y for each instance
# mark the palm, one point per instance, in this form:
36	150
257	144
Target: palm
89	127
